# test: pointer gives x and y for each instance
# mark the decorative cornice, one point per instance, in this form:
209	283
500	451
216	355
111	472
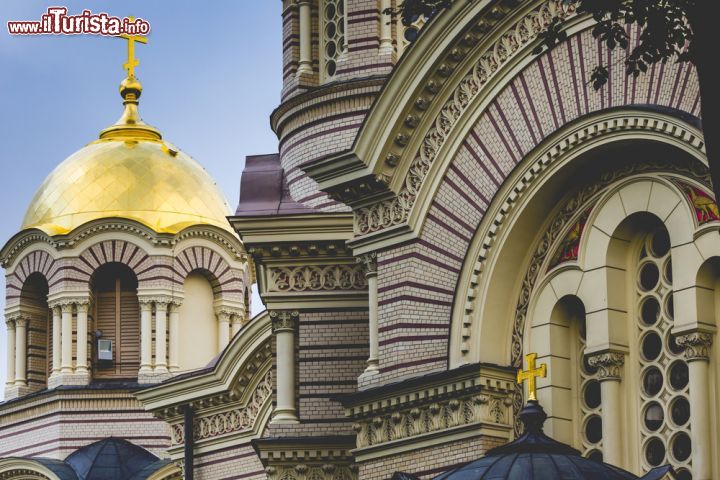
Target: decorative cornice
696	345
284	320
307	458
608	364
164	300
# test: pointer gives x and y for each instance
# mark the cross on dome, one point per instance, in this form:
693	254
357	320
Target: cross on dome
531	374
132	62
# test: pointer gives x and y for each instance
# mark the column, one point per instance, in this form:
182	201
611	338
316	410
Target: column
21	324
386	45
174	352
697	346
66	338
223	318
609	365
145	336
81	363
284	323
305	64
369	261
56	335
10	358
161	337
235	324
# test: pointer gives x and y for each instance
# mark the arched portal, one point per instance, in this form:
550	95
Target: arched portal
116	317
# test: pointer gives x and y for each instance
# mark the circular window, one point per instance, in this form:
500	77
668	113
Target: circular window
652	346
411	33
683	475
650	311
679	375
655	452
330	68
654	417
649	276
672	344
681	447
330	29
680	411
595	456
660	244
670	306
330	49
652	381
592	394
329	11
667	271
593	429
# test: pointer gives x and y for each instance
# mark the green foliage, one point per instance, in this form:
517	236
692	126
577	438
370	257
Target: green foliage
665	29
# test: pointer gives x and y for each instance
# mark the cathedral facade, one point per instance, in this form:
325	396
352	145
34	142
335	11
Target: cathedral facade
443	202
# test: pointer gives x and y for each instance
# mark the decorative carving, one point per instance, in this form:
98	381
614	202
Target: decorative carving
696	345
369	263
284	320
397	209
432	417
706	210
237	420
316	278
608	365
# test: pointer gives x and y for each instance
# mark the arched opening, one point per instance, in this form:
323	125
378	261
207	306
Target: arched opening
708	291
116	318
198	342
33	303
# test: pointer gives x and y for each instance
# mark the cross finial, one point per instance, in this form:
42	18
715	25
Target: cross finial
132	62
531	374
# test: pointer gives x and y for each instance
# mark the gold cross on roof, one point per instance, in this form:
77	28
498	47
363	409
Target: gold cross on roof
132	62
531	374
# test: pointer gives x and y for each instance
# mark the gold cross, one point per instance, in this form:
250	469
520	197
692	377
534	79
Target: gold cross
132	62
531	374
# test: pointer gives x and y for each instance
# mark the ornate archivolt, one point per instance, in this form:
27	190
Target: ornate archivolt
518	191
25	469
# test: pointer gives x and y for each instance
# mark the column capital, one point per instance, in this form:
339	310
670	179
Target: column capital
369	262
696	345
21	321
10	323
608	364
65	302
284	320
66	307
83	307
228	311
164	300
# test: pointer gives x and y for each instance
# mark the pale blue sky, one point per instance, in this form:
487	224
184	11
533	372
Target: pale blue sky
211	76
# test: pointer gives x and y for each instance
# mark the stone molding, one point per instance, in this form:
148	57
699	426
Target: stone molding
609	365
157	300
68	302
309	458
471	396
396	210
310	278
696	345
284	320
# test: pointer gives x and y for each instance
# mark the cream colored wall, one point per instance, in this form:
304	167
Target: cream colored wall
198	327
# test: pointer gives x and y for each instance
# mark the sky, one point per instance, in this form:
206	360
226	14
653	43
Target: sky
211	75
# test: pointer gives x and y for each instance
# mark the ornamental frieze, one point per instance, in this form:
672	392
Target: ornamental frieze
433	417
302	471
316	278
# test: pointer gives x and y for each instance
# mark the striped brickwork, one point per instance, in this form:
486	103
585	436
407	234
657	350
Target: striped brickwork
417	279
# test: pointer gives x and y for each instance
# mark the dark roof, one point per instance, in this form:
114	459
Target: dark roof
58	467
264	189
110	459
535	456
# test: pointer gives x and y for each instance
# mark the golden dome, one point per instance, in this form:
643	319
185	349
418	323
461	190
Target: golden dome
130	172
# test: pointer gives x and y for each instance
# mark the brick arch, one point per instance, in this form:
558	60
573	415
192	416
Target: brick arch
114	251
213	266
37	261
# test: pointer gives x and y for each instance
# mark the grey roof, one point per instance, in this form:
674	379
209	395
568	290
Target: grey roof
110	459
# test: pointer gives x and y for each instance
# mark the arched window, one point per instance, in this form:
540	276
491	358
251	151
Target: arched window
33	303
116	316
198	331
